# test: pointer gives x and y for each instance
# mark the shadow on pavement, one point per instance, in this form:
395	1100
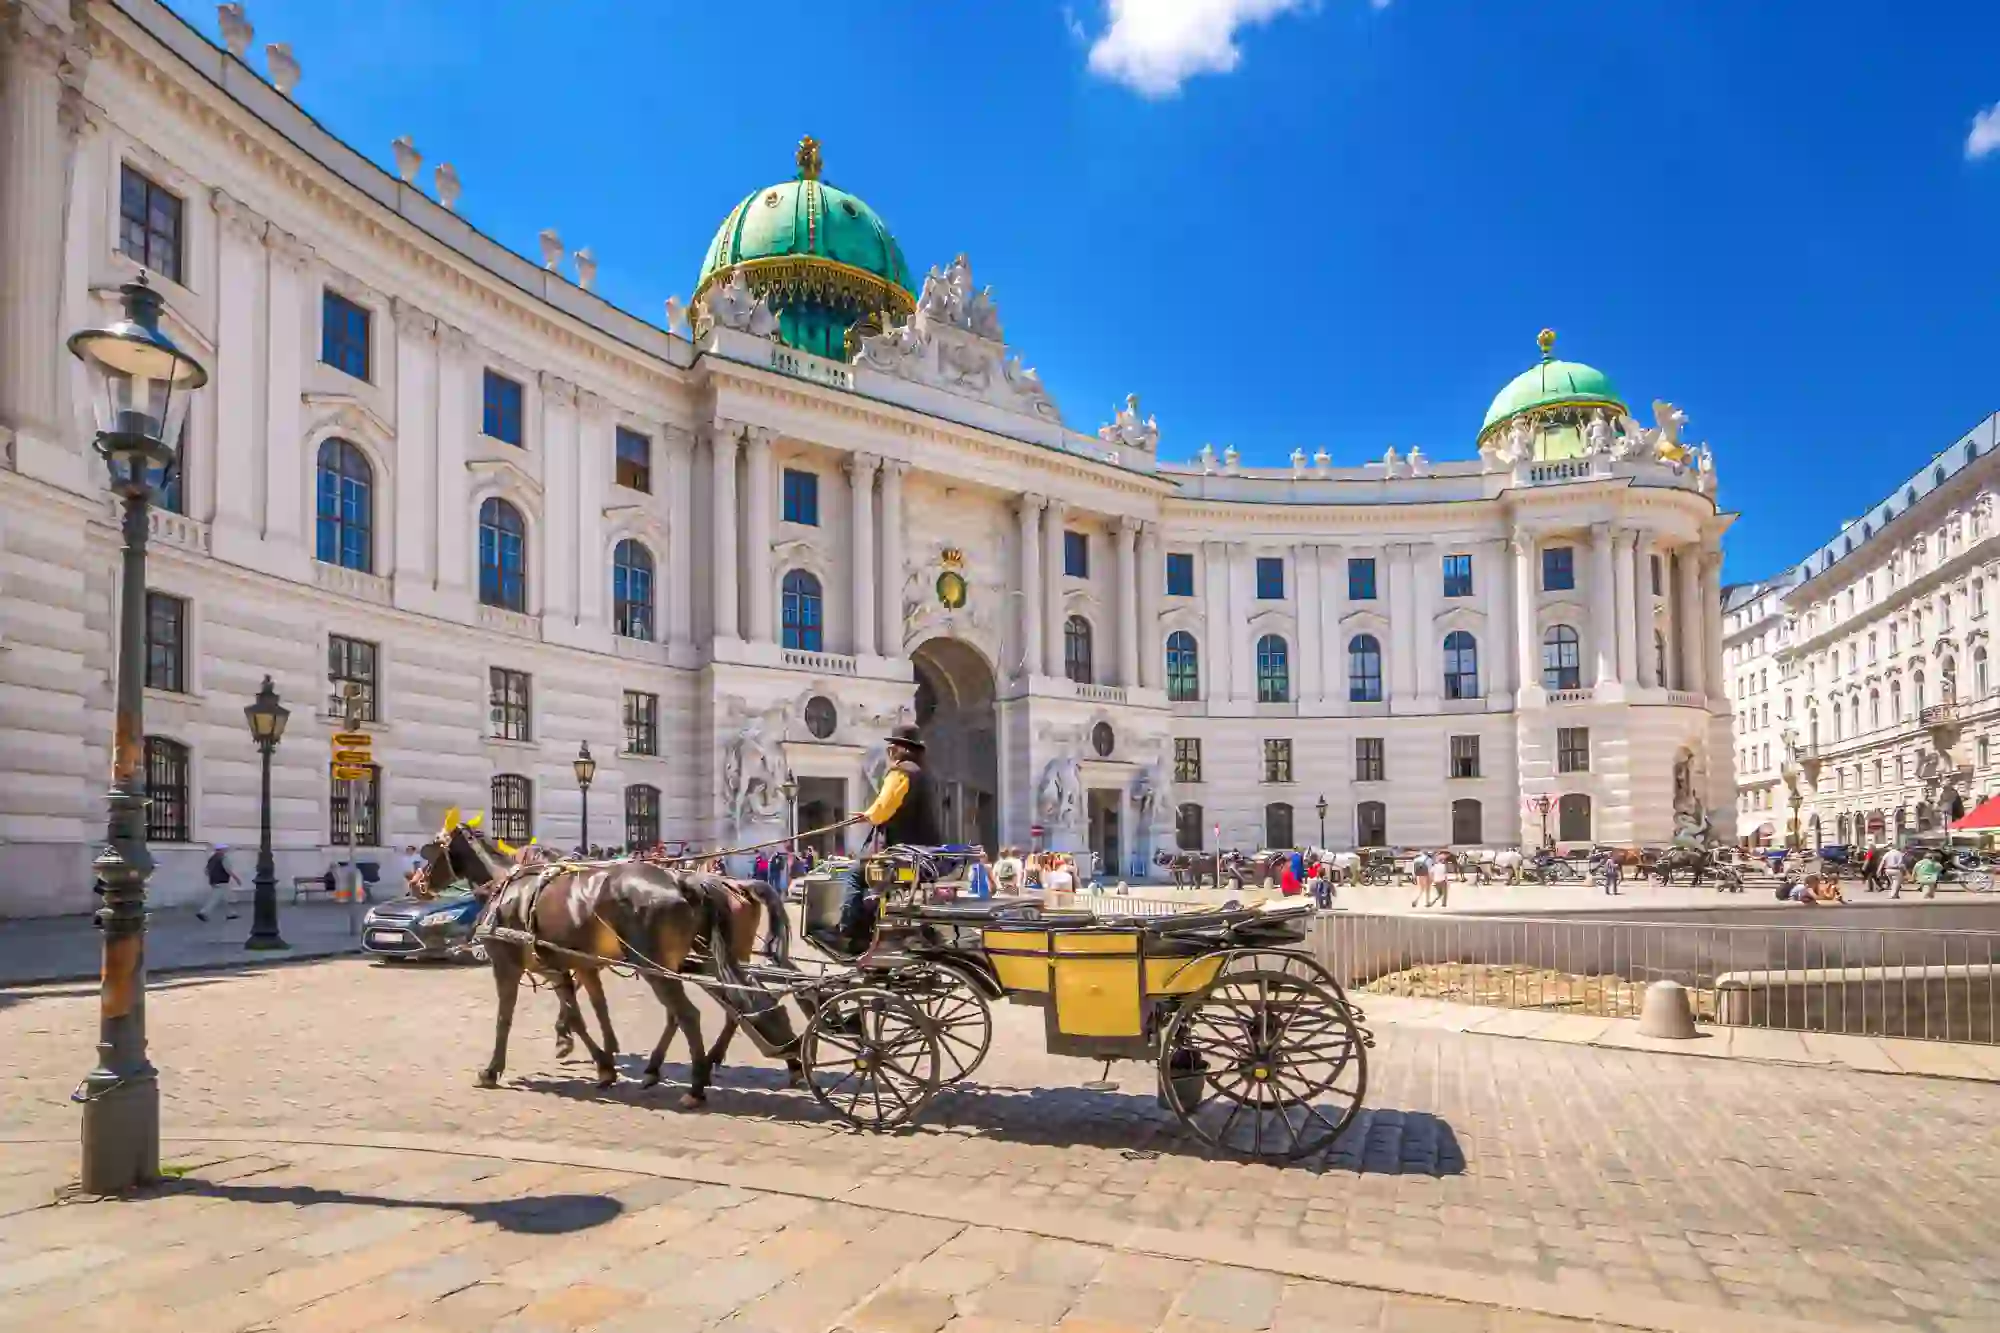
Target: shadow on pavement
1379	1141
539	1215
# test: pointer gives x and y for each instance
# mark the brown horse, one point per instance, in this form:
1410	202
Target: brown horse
621	912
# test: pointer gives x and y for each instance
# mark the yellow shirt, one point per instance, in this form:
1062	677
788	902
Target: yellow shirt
895	786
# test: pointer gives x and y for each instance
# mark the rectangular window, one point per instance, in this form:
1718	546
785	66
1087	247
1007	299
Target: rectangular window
1187	759
1076	554
1572	749
368	832
1465	756
801	497
642	722
508	701
353	661
1458	576
149	224
168	803
642	817
635	460
1270	578
1558	568
1368	764
1277	761
1659	578
503	409
1180	573
343	335
166	642
1361	579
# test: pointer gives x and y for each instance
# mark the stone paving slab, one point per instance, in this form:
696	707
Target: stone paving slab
40	950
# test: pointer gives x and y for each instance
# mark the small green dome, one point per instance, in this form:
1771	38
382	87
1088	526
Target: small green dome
1552	383
822	257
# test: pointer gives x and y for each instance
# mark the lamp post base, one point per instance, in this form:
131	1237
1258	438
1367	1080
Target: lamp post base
121	1131
266	943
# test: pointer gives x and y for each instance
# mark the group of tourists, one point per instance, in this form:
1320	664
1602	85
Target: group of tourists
1884	867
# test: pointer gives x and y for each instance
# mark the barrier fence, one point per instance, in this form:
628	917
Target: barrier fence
1928	984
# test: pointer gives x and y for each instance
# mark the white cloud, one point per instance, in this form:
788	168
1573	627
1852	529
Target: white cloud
1985	136
1154	46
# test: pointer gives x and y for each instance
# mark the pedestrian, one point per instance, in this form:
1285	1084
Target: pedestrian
1420	868
1871	868
1929	870
1058	878
979	883
1007	873
412	863
1288	880
1892	870
220	877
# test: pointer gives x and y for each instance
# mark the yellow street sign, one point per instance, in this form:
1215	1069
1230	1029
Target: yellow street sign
351	757
352	740
344	773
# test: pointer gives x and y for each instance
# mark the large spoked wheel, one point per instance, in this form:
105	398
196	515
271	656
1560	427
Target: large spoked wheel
871	1058
1268	1061
957	1008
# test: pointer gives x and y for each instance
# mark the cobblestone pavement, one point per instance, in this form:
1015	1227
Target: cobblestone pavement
1815	1193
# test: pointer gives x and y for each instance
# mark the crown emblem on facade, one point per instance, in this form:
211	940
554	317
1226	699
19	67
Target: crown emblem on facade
951	557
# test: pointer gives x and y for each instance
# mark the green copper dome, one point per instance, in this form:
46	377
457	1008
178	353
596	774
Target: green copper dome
823	258
1552	383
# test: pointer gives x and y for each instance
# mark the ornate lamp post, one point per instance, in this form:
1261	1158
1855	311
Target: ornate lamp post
140	383
1321	808
790	789
1541	803
267	719
585	769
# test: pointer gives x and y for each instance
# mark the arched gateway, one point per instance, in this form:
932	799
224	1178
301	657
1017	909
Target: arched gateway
954	707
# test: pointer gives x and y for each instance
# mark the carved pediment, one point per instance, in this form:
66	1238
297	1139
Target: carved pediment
343	411
953	342
510	474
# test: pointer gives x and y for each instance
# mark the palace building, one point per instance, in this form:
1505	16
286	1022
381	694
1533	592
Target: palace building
730	549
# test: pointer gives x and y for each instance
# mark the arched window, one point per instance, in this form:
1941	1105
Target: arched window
632	590
803	629
1573	818
1895	701
1562	659
503	556
1978	598
1278	825
1274	676
166	790
1917	691
346	507
1187	827
1183	668
1836	719
642	817
1979	673
1076	650
1874	709
1660	656
512	816
1461	665
1371	824
1364	669
1948	681
1467	823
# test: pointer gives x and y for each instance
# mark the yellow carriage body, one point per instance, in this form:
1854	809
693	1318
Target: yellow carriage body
1099	984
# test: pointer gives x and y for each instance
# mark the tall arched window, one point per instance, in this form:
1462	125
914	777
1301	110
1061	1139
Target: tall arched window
503	556
1461	665
1836	719
1183	668
1895	701
1076	650
1979	673
1467	823
1874	709
167	791
1573	818
1274	676
1562	659
513	808
801	613
1364	669
642	816
346	527
632	590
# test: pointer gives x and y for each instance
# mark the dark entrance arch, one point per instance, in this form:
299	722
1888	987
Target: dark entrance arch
954	709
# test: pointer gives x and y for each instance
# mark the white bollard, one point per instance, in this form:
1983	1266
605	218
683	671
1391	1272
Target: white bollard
1667	1012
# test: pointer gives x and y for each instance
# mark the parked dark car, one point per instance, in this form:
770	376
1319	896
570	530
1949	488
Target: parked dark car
438	927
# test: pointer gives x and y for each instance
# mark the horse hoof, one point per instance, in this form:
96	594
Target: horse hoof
488	1079
606	1077
693	1101
651	1079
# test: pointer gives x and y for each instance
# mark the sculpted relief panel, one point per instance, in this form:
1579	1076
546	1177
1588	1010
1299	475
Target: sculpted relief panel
953	342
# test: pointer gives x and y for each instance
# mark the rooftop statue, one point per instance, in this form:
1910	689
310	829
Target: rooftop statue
1126	429
732	305
953	342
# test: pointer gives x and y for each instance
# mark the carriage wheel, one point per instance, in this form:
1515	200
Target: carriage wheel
1267	1062
957	1008
871	1058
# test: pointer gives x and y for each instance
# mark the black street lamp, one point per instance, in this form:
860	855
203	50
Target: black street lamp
790	789
267	719
140	385
586	769
1321	807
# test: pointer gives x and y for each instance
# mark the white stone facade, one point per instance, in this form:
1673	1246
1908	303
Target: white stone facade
934	453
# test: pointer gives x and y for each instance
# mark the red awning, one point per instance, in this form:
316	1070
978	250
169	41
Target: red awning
1985	815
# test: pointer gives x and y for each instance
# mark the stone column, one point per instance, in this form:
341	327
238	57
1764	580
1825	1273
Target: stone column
453	555
1242	644
284	481
1687	618
890	635
1152	574
723	439
1714	673
1642	610
1500	657
1332	563
1603	606
557	599
1310	649
1402	626
759	508
1053	578
33	149
1625	587
1128	604
1217	630
239	278
1028	508
416	416
861	470
597	446
1426	655
679	448
1528	677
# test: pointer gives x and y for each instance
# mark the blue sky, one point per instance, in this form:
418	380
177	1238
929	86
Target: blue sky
1295	222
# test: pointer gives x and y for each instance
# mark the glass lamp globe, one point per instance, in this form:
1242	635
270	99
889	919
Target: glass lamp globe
140	385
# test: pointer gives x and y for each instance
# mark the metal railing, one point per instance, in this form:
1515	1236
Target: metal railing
1932	985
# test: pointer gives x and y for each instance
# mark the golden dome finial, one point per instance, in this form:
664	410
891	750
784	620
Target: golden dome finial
1546	340
809	159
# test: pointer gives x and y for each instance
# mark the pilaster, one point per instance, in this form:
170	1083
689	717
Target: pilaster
452	555
723	440
238	463
889	634
760	504
559	448
1028	510
416	418
596	449
1603	613
1127	604
861	469
678	446
285	497
1054	576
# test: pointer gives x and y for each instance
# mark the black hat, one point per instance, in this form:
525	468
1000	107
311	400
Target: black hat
908	737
